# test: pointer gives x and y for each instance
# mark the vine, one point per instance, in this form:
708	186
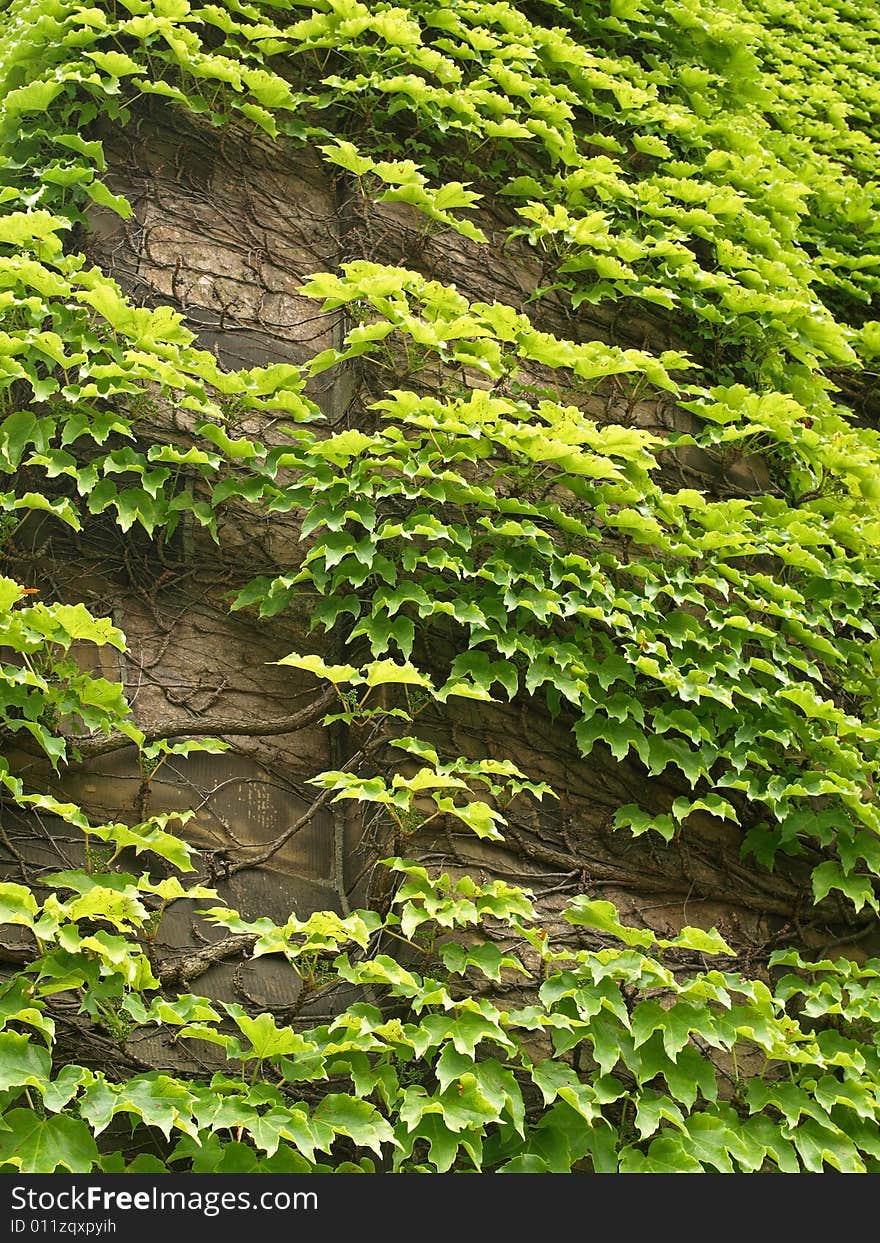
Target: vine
709	166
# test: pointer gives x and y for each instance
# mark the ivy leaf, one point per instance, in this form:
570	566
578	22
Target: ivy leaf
527	1163
714	1139
415	746
99	193
17	904
664	1156
484	672
238	450
675	1024
652	1109
64	1087
385	672
266	1038
443	1142
638	822
150	836
157	1099
346	155
761	1135
22	1062
358	1120
859	889
594	913
480	818
466	1106
337	674
488	958
37	1146
819	1145
700	939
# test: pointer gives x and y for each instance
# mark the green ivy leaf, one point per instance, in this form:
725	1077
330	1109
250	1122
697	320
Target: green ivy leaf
22	1062
358	1120
42	1146
594	913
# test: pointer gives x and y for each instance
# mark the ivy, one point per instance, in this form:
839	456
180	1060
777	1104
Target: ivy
475	1061
714	166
